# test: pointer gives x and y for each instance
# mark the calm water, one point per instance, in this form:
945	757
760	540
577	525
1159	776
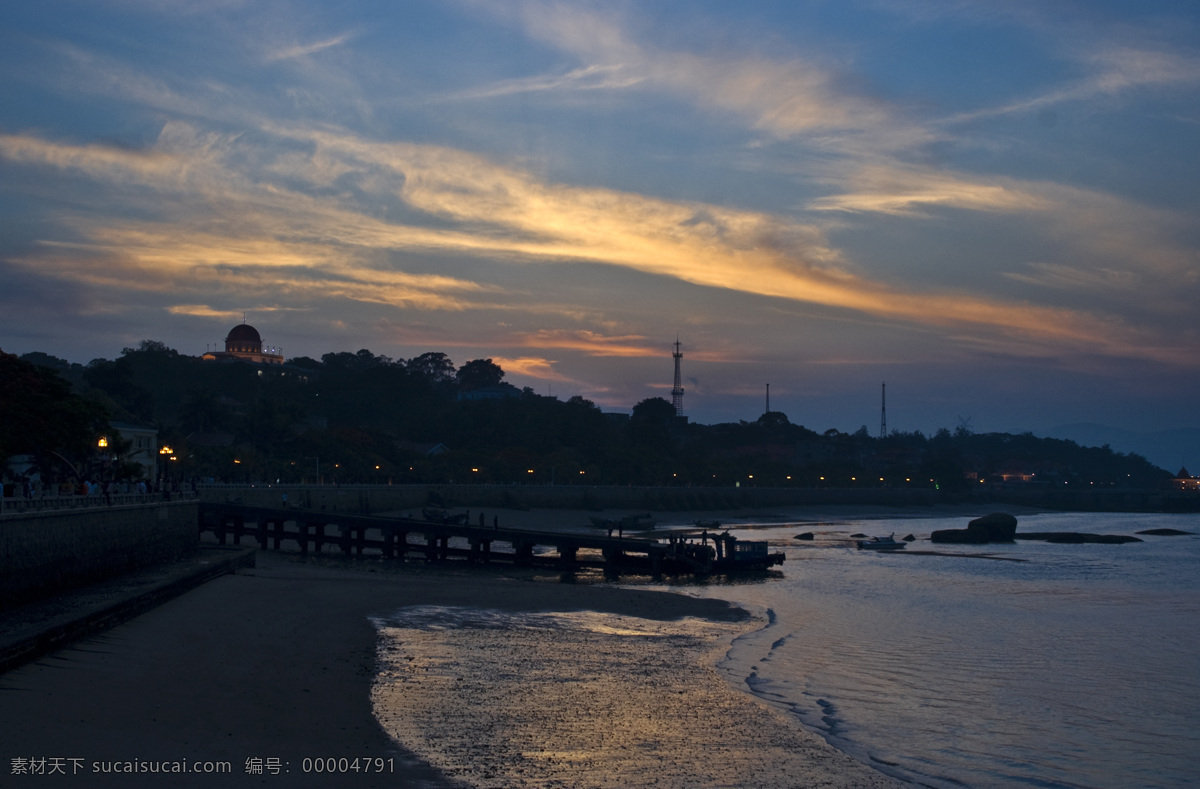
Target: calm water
1079	666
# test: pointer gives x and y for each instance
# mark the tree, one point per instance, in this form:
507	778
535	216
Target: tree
653	410
479	373
151	346
434	367
201	412
304	362
118	380
354	362
774	421
648	424
61	366
41	415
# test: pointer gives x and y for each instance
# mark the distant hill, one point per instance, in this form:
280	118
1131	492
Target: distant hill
1167	449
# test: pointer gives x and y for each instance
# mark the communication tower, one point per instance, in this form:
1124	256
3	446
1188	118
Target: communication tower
677	390
883	413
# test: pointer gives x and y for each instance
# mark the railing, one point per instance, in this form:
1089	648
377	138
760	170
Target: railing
17	504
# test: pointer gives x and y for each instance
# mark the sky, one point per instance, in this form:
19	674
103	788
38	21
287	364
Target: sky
993	207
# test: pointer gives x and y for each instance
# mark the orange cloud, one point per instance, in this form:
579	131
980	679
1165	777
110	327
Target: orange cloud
469	206
591	343
531	367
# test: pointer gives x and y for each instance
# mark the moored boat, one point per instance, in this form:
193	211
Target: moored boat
726	553
880	543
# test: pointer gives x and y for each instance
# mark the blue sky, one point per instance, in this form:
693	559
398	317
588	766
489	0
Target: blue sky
991	206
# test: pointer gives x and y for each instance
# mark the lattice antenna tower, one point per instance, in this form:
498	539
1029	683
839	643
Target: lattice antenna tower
883	413
677	390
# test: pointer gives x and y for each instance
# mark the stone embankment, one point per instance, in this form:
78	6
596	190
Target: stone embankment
42	553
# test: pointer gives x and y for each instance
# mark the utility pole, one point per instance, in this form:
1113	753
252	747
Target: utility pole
768	399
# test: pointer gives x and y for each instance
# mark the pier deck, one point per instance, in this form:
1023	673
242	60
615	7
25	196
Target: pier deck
399	538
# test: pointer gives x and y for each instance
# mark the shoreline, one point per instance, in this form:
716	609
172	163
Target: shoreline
800	514
278	663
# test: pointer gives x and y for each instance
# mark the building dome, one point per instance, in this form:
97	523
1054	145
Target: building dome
244	332
244	343
243	338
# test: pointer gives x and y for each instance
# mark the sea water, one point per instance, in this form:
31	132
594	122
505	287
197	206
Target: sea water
1027	663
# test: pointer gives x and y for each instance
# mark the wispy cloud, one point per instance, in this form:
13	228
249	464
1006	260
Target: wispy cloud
907	190
204	311
1114	70
782	99
611	77
478	208
293	51
1072	278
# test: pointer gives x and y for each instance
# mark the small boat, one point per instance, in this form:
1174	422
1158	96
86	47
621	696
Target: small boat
438	515
638	522
880	543
726	554
626	523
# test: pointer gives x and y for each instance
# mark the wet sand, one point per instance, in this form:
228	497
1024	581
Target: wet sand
277	665
592	702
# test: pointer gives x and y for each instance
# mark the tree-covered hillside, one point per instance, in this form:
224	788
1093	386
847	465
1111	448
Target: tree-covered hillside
362	418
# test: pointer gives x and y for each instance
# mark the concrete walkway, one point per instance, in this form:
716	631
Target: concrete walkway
30	631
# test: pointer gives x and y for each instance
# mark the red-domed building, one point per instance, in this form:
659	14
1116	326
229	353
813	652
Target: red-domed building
245	343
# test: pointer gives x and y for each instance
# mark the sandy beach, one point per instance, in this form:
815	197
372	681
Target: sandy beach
274	666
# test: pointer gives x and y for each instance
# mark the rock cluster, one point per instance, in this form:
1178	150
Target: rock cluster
996	527
1075	537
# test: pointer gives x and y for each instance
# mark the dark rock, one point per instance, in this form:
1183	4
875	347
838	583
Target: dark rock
966	536
1080	537
1165	532
909	538
1076	538
857	536
997	527
1000	526
805	536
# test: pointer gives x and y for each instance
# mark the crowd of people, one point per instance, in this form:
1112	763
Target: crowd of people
24	489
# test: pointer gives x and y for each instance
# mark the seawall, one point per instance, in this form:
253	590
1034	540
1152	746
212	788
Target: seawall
42	553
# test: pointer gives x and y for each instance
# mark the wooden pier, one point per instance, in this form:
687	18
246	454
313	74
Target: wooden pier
401	538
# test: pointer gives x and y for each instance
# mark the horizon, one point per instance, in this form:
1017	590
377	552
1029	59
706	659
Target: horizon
996	211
